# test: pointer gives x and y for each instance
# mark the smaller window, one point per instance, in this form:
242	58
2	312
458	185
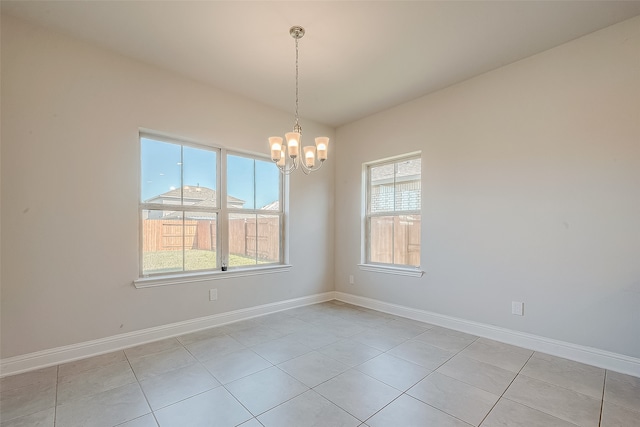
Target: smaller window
392	217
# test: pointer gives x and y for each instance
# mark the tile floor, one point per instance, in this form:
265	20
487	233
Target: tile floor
327	364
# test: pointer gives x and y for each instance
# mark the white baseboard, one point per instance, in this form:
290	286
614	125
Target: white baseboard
591	356
56	356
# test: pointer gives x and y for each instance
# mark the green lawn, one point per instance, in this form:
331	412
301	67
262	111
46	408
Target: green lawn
167	261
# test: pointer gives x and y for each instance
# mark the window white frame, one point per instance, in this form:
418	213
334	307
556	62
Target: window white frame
366	216
222	212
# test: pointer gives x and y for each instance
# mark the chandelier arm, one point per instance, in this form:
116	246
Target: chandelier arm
288	170
307	170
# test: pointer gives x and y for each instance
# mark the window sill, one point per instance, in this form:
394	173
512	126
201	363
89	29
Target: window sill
401	271
177	279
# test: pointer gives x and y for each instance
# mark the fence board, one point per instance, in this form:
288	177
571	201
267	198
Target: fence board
251	237
395	240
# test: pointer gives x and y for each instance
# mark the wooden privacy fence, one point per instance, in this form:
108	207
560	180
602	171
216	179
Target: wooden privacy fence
255	237
252	237
166	235
395	240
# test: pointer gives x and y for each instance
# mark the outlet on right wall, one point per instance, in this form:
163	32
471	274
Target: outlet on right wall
530	191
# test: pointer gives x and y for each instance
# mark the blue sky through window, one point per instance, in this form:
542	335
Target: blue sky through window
162	164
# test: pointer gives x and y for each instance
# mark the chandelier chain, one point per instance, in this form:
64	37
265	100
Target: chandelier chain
296	81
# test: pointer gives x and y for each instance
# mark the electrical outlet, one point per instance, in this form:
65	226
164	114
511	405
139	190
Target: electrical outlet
351	281
213	294
517	308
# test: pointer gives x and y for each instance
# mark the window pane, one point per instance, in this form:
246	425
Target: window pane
160	163
381	189
406	242
395	240
381	239
407	185
199	177
240	182
161	241
267	185
268	239
200	233
242	240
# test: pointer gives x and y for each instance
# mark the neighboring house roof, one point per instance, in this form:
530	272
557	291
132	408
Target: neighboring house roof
273	206
407	170
195	196
201	197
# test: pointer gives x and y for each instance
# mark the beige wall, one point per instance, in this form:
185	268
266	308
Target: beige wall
70	159
531	192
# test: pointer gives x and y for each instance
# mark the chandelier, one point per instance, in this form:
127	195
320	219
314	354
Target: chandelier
286	154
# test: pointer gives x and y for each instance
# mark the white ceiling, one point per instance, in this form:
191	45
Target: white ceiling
357	57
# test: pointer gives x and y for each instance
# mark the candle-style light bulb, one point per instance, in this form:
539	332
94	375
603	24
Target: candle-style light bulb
293	143
322	144
283	159
310	156
275	142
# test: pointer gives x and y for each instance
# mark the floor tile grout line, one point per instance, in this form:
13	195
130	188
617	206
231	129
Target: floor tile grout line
88	371
240	403
604	385
436	370
55	404
517	374
433	370
404	392
421	401
539	410
486	363
197	361
559	386
242	377
272	366
401	391
136	381
282	403
507	388
263	412
180	400
458	352
375	413
345	410
201	363
441	410
530	407
335	376
140	386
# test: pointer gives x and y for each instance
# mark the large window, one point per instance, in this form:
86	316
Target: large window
185	226
392	217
